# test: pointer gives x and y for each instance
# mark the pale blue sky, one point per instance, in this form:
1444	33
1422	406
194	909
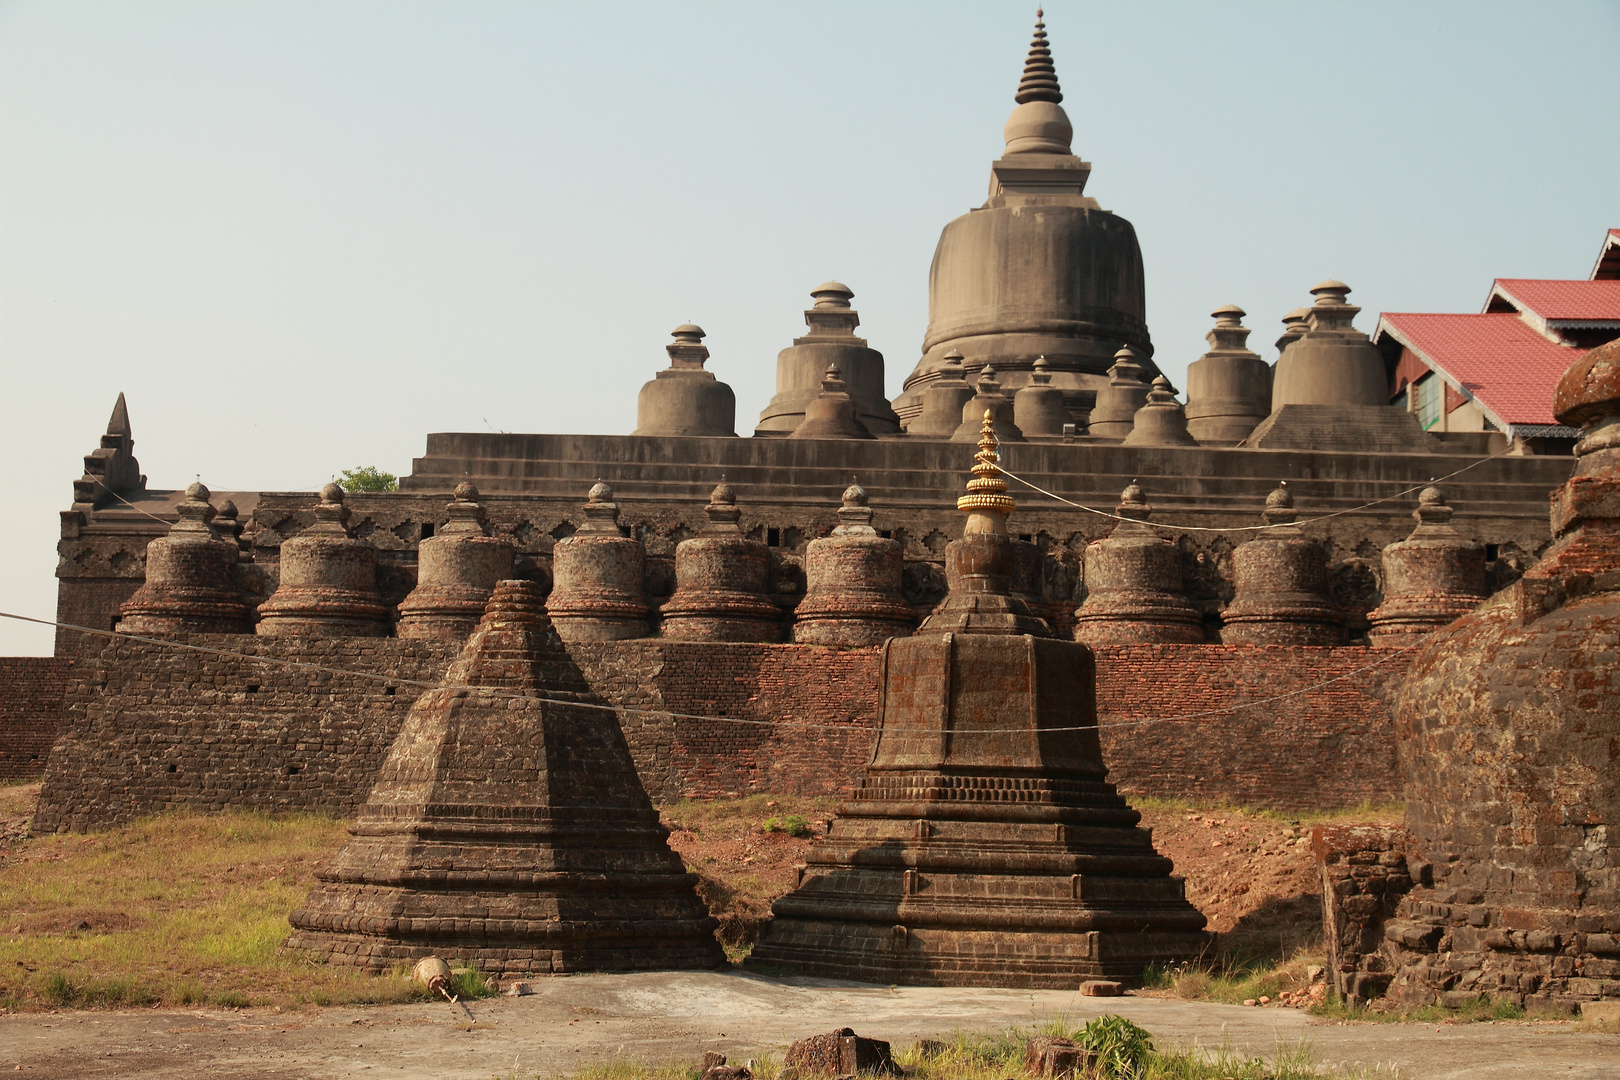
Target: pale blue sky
300	236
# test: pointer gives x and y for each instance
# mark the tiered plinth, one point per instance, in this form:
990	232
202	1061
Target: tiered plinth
509	829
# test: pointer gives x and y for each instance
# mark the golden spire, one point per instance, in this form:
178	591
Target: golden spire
987	503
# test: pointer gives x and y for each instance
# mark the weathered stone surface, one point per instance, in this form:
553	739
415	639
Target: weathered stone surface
832	414
942	402
1062	1059
840	1053
830	342
190	585
1507	729
984	846
507	827
1229	387
1133	584
1280	585
1431	578
1331	363
722	582
1114	414
457	569
987	398
1161	421
598	577
1038	408
328	580
852	596
684	399
1364	873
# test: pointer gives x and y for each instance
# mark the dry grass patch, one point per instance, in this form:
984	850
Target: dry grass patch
178	909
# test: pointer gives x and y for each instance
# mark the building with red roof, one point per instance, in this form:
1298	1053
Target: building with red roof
1494	372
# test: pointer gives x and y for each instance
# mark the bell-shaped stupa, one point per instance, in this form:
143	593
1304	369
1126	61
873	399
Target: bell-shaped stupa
1038	409
984	846
507	827
1114	414
598	590
1134	587
684	398
328	585
988	398
943	401
852	583
191	585
1280	584
1433	577
1040	269
1161	421
831	342
1229	387
833	413
456	570
722	581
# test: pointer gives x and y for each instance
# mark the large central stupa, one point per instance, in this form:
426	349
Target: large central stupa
1040	269
984	846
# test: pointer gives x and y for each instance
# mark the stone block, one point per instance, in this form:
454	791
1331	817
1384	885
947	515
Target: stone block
1061	1059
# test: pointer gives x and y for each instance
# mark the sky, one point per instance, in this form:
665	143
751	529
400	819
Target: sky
302	235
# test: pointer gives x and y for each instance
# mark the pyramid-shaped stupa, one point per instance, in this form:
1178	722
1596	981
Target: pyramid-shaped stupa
508	828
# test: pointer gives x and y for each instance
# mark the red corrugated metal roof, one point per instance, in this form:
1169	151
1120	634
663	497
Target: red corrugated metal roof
1563	300
1509	368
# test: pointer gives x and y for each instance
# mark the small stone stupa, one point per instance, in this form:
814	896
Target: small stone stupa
1114	414
722	582
1431	578
507	827
988	398
190	585
1038	409
983	846
830	342
852	583
328	580
832	414
1161	421
943	400
598	590
1229	387
456	571
684	398
1134	589
1280	584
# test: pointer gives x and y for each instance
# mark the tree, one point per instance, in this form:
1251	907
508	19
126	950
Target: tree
368	478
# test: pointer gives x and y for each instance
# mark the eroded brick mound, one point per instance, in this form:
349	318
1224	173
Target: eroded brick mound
1509	727
509	829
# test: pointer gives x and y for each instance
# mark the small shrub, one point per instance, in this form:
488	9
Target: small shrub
59	989
792	824
367	478
470	983
1123	1050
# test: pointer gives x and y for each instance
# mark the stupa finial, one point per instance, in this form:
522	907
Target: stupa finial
987	503
1040	77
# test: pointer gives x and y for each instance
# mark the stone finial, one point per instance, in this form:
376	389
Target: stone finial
1127	368
986	383
465	491
722	511
1432	510
987	503
1042	373
1294	327
1040	81
1332	311
1229	331
950	367
687	351
1163	393
832	294
1133	503
118	423
331	515
833	381
195	512
1279	506
465	514
601	512
855	516
1588	397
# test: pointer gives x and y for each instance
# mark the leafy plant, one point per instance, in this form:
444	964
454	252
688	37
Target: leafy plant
792	824
367	478
1123	1050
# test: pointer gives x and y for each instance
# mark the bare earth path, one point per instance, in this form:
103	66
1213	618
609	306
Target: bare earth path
674	1016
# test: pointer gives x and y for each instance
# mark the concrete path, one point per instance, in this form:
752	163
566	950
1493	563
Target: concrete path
674	1016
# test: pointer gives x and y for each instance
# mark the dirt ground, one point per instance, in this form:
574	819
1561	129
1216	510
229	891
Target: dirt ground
672	1017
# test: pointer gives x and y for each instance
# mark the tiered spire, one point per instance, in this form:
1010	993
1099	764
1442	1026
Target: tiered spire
987	503
1040	77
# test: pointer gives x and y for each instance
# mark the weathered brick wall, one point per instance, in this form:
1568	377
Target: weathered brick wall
1328	747
148	727
31	692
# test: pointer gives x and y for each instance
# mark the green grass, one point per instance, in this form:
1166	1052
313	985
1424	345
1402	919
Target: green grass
179	909
1384	1012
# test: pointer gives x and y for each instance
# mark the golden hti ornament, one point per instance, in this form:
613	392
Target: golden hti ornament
987	503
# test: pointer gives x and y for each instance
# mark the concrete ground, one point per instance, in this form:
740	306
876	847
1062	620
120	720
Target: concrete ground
675	1016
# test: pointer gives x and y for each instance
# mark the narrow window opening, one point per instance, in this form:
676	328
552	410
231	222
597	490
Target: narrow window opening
173	768
427	529
773	537
1491	552
253	688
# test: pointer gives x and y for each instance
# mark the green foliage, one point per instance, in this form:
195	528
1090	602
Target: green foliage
470	983
1123	1050
367	478
792	824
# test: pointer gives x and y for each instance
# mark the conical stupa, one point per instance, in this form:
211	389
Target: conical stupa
984	846
507	827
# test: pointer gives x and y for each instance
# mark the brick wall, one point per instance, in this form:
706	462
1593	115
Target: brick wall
147	728
31	691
